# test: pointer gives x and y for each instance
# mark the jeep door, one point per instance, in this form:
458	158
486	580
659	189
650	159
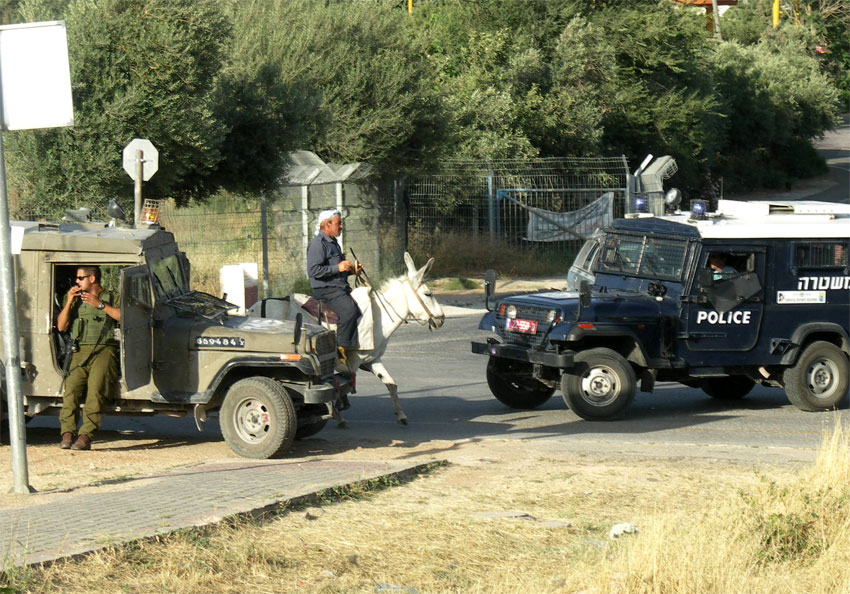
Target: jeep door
136	332
722	313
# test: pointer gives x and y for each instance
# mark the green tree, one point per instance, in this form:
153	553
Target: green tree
138	69
775	99
365	89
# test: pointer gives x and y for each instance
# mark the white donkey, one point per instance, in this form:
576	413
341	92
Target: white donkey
397	301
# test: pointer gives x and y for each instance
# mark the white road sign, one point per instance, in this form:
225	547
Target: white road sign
150	158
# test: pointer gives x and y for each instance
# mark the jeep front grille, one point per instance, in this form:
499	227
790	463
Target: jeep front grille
525	312
325	343
325	348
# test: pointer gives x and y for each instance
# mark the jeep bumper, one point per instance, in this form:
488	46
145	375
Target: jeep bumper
521	353
329	390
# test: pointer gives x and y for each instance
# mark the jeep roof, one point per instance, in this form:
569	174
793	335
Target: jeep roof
734	219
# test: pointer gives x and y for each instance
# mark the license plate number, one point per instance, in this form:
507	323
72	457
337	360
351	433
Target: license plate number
525	326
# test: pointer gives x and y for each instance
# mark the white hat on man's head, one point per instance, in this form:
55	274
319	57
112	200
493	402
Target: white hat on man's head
326	215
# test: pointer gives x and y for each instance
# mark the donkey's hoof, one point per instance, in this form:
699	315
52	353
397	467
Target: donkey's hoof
342	424
402	420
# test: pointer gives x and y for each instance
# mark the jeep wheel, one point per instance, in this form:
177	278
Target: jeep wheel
257	418
601	387
733	387
310	420
819	380
512	384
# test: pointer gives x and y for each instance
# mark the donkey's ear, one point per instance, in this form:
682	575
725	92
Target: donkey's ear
427	267
420	274
411	267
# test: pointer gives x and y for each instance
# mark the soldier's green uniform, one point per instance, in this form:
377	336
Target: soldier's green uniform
94	368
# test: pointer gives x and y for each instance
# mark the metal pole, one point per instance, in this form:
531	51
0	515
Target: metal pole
305	223
137	193
14	392
491	205
339	204
265	232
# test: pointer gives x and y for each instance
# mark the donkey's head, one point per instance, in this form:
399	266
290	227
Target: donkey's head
424	306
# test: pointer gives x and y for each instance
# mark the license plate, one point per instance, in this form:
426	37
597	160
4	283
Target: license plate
525	326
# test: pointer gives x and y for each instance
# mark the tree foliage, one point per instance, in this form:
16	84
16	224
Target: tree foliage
226	88
138	69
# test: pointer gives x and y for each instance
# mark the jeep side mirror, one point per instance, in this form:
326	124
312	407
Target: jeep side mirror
584	293
296	332
706	279
489	286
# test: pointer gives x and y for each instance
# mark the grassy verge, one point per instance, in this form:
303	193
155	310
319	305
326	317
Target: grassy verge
509	518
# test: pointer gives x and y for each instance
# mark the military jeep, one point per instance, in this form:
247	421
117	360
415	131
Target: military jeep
269	381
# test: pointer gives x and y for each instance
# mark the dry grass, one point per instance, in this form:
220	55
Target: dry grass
463	255
705	526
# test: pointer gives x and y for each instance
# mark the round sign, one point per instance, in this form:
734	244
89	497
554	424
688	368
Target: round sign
150	158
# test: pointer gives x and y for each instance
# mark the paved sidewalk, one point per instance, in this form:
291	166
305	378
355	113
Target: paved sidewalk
77	522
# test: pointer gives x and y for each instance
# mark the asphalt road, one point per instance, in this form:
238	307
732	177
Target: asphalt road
445	395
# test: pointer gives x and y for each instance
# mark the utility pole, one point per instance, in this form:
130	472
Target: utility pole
715	12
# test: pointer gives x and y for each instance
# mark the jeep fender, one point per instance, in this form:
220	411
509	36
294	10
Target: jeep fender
626	343
824	330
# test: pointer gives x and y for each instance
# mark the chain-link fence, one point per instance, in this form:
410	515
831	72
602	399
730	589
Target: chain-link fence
535	205
531	207
232	232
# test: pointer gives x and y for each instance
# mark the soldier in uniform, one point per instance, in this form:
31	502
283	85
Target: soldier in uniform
92	313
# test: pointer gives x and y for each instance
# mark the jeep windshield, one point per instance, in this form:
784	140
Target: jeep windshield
172	287
169	279
642	256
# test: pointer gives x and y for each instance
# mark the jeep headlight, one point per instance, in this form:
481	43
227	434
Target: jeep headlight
550	316
510	312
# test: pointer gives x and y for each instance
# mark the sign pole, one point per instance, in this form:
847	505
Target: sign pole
139	169
11	354
35	92
137	193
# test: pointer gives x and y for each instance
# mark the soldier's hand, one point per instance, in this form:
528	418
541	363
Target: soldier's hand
345	266
73	293
89	299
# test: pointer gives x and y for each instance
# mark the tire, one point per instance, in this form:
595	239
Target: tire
309	429
512	384
602	386
820	378
734	387
257	418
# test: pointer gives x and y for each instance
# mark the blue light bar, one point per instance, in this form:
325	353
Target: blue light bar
698	209
639	204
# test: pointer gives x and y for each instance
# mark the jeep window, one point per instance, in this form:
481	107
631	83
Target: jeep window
820	255
139	291
169	279
647	257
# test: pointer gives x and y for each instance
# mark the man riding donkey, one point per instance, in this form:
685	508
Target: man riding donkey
329	271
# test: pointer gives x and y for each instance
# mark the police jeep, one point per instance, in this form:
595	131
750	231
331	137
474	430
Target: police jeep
779	315
181	352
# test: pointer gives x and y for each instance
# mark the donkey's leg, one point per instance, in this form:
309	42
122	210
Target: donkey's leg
377	368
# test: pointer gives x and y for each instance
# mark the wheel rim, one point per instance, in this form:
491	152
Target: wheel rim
822	378
252	420
600	386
